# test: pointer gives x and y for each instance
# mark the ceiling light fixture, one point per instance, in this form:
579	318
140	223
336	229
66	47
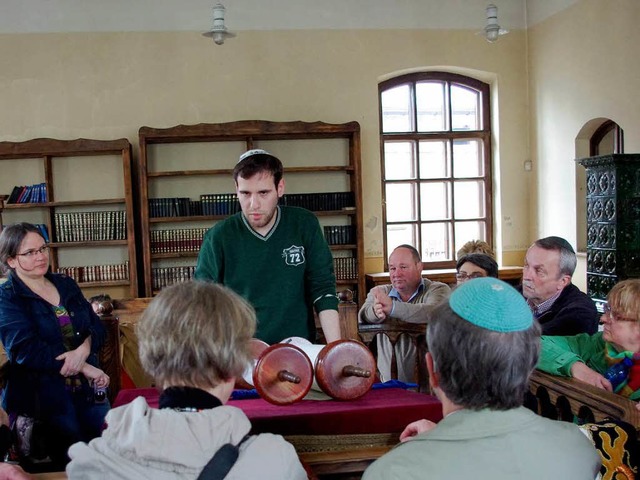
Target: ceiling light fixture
492	31
219	32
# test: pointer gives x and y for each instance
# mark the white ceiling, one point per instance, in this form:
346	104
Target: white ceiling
35	16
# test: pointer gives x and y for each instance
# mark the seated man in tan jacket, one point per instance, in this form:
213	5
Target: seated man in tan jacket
410	298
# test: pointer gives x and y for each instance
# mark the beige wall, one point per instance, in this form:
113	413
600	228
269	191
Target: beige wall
583	66
106	86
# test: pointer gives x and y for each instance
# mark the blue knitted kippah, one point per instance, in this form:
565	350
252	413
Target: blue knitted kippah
255	151
492	304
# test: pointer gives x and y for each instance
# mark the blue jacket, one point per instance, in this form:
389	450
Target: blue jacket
31	336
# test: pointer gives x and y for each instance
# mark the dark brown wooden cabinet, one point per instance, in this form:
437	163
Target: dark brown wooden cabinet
186	186
88	208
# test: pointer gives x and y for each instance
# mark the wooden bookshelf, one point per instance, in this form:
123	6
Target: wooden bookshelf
293	142
56	164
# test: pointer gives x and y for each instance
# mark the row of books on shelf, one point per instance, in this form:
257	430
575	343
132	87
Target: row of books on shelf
164	276
320	202
346	268
174	207
219	204
97	273
183	240
177	241
227	204
340	234
28	194
91	226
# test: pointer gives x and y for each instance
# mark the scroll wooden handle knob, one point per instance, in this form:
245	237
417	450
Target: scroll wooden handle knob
353	371
273	377
285	376
343	369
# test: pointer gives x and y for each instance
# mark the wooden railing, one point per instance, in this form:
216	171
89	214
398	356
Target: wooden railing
568	399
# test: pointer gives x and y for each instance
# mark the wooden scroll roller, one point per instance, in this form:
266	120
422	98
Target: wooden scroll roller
344	369
281	373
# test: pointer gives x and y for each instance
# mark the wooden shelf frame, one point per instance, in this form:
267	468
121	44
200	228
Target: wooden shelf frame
48	149
250	132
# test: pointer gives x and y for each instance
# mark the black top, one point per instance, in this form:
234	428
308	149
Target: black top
187	398
572	313
5	441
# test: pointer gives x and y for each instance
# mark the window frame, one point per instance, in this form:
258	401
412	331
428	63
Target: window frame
484	135
599	135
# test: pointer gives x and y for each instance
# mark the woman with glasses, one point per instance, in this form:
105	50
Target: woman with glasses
612	355
475	265
51	336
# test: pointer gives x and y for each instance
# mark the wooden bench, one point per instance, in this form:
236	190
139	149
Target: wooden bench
393	329
568	399
557	398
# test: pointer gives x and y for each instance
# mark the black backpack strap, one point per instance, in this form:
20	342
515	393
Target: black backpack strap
222	461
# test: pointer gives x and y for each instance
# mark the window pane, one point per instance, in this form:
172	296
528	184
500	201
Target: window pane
430	102
436	242
465	108
435	201
434	161
468	158
396	109
466	231
400	199
400	234
469	199
607	144
435	132
399	163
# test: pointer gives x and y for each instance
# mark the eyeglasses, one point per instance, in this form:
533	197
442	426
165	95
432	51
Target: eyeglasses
32	253
614	316
464	277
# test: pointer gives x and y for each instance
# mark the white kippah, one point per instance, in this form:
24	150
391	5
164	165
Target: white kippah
255	151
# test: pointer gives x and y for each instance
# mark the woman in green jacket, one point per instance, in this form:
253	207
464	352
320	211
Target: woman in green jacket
590	358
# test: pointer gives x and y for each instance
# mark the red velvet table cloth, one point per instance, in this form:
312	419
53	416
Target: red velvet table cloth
385	410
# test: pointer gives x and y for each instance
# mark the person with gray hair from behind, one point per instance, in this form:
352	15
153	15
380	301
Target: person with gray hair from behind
483	345
194	340
559	306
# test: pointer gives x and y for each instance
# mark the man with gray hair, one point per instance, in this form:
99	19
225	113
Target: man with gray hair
483	345
558	305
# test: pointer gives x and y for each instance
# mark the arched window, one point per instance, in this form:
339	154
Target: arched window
436	164
605	139
608	138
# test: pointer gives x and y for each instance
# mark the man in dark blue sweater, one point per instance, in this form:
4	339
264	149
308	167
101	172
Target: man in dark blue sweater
558	305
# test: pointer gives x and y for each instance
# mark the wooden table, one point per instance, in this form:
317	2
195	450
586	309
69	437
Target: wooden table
385	410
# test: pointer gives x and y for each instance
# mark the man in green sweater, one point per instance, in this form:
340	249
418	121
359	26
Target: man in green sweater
274	256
